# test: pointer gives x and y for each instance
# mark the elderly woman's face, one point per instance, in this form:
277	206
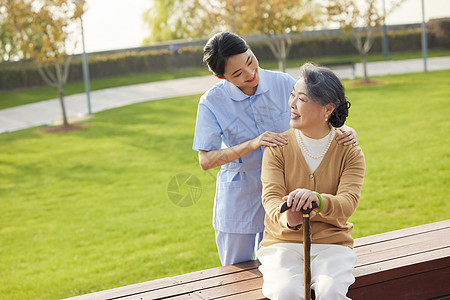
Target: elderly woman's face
305	114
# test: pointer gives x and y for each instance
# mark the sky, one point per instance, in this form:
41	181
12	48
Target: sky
118	24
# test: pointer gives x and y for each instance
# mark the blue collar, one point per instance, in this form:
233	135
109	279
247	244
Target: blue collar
237	95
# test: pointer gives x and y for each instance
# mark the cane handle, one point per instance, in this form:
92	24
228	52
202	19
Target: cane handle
285	207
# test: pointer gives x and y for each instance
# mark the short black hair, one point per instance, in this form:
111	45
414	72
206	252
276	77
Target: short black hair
325	87
221	46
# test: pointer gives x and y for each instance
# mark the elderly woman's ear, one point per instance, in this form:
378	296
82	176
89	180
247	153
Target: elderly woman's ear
329	108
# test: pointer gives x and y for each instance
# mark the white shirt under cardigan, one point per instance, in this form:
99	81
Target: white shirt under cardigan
315	147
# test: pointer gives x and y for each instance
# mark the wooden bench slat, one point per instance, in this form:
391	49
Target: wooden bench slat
392	235
226	290
382	271
215	272
203	284
190	296
254	295
127	290
232	289
403	246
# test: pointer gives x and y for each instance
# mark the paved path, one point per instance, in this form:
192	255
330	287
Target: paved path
49	112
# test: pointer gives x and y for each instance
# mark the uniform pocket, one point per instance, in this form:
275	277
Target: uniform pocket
237	200
282	122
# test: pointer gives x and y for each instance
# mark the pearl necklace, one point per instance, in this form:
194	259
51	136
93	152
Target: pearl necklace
297	132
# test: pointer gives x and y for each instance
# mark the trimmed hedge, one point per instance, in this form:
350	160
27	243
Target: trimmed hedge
23	75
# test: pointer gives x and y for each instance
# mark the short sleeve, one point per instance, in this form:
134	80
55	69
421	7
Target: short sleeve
208	134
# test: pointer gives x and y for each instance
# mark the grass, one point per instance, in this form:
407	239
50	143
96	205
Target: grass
357	59
16	98
403	128
89	210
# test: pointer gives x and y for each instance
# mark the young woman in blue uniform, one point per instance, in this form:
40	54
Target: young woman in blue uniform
236	119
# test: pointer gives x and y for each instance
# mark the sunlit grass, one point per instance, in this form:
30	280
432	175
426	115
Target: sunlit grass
88	210
403	128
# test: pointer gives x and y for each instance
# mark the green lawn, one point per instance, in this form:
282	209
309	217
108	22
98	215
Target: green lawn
15	98
89	210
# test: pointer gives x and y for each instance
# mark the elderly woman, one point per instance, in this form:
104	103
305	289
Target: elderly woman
311	167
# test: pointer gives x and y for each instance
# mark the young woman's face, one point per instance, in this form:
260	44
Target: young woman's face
242	71
306	115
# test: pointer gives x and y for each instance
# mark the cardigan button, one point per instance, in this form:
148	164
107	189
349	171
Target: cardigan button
311	176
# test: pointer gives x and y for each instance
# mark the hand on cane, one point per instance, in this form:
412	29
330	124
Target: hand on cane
297	200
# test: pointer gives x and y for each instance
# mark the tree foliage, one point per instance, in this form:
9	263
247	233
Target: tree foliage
9	46
175	19
178	19
278	19
360	20
39	31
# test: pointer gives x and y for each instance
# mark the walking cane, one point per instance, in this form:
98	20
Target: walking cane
306	246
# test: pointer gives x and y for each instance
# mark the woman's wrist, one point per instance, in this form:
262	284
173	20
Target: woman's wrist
319	209
296	227
253	144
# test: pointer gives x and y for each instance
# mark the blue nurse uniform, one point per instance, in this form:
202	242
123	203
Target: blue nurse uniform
227	117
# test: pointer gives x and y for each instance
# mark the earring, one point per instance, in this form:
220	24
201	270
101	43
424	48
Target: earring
326	118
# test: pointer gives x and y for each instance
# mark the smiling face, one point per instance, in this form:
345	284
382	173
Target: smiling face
306	114
242	71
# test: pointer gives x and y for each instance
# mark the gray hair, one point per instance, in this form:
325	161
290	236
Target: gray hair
325	87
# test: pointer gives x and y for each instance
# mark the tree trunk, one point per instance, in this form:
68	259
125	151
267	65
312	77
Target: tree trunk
278	48
364	63
63	107
363	50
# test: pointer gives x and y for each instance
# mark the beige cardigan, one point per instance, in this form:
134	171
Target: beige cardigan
338	179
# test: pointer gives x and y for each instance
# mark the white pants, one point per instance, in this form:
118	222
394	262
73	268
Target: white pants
282	269
235	248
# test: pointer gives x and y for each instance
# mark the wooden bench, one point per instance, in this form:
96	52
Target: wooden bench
411	263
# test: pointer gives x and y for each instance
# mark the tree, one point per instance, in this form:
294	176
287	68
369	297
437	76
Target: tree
359	20
8	40
176	19
40	30
172	19
278	19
